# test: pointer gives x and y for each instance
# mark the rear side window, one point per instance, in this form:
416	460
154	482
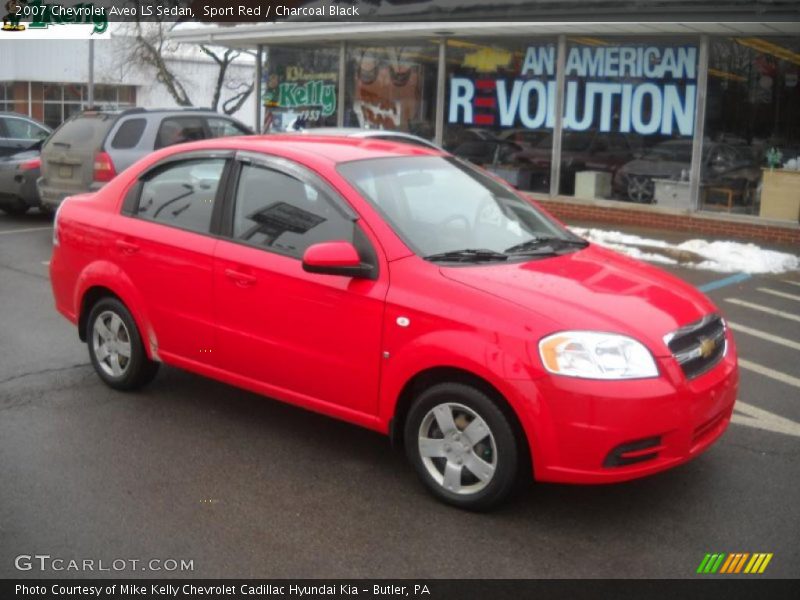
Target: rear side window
128	134
84	131
178	130
182	195
21	129
278	212
220	127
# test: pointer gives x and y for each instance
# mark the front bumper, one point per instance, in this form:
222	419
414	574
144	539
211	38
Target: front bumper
589	431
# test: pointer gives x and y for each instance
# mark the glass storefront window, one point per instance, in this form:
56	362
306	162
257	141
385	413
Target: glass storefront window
629	115
392	86
499	108
299	87
751	146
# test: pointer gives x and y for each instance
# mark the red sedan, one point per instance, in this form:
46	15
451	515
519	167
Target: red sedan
400	289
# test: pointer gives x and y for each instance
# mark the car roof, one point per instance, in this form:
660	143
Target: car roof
314	150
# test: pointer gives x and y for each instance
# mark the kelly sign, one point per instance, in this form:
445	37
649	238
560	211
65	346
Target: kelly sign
655	91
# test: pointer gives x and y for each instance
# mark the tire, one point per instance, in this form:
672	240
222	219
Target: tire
641	189
115	347
17	209
472	466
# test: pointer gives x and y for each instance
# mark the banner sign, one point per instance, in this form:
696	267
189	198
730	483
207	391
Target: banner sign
629	89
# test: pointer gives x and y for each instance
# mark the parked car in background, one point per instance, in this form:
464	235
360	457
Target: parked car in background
88	150
19	132
723	164
488	152
401	289
373	134
18	175
582	151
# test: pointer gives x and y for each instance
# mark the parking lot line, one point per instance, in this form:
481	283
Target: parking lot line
766	309
764	335
25	230
790	282
794	297
771	373
752	416
714	285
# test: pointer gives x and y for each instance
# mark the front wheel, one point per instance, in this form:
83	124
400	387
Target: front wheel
115	347
462	446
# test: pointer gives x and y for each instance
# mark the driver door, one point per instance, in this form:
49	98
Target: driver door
308	338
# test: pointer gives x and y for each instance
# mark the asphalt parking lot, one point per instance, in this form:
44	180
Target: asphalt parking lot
247	487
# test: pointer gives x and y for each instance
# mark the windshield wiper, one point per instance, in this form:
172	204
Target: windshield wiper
467	255
545	242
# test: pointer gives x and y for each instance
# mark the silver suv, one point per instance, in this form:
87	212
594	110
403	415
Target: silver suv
89	149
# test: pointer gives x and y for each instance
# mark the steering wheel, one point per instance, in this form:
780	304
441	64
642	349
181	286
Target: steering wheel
454	219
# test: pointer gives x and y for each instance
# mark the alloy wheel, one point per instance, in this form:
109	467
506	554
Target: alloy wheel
111	342
641	189
457	448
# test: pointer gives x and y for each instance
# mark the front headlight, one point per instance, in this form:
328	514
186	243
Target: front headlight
596	355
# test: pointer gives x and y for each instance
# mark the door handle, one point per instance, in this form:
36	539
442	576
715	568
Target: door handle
241	279
127	247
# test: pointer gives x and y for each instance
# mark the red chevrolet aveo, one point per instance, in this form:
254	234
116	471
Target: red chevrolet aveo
403	290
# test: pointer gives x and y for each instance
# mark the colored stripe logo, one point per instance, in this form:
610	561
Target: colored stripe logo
737	562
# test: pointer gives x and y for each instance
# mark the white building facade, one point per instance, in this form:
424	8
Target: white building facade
47	80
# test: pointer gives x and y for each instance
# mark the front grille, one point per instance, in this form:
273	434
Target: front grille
698	346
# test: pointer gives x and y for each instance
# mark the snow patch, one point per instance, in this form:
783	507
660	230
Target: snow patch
722	256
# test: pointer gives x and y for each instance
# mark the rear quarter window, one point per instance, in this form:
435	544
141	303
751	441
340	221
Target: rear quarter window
129	134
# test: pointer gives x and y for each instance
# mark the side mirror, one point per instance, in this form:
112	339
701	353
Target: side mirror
335	258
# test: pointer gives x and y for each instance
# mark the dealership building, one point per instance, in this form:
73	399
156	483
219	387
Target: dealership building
690	126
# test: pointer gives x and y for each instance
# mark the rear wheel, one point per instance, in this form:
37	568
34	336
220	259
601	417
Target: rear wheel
15	209
116	348
462	446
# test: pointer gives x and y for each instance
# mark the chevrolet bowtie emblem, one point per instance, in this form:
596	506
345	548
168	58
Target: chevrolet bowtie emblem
707	347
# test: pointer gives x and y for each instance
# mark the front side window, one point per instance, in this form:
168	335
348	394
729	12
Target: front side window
439	205
278	212
182	195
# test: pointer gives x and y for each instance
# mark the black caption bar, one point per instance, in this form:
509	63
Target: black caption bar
313	589
261	11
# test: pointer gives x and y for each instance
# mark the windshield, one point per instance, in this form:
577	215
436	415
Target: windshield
441	205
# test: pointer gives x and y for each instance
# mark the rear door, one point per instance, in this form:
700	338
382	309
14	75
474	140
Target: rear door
164	243
68	156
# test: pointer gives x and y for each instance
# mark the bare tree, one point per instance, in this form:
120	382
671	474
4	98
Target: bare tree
150	49
224	59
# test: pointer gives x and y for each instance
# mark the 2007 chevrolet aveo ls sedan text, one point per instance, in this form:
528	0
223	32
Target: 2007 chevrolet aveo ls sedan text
403	290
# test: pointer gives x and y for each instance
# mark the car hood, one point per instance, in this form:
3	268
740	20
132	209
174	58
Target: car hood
593	289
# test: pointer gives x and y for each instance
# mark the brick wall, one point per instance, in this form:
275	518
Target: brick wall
728	227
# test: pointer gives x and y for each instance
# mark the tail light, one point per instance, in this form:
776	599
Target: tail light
103	167
30	165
